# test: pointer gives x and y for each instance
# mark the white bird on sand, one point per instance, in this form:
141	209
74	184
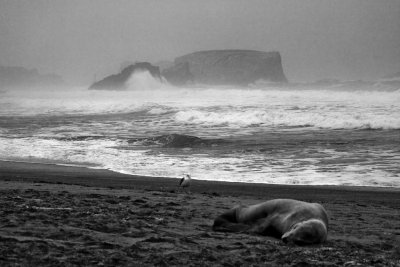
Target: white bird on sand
185	182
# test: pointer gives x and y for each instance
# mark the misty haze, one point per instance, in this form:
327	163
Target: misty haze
106	105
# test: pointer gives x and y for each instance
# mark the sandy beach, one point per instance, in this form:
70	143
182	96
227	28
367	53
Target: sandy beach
71	216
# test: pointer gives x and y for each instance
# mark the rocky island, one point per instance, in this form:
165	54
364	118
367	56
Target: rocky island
226	67
214	67
118	81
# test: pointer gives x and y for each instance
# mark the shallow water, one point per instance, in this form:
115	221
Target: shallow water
286	135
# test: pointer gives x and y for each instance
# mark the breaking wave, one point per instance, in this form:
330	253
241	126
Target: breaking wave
212	107
143	80
268	135
292	118
176	141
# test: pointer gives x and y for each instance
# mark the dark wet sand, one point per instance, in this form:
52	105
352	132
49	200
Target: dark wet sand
68	216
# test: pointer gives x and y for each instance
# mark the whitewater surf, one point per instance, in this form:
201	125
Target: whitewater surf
294	134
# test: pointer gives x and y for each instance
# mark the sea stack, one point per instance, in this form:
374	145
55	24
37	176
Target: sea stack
226	67
20	77
118	81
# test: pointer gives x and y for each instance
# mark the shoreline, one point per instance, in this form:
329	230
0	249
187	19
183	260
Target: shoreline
79	175
21	164
10	164
74	216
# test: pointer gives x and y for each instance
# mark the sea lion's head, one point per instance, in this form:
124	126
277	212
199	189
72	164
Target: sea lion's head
307	232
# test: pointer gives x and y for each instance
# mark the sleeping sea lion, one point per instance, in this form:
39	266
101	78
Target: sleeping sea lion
293	221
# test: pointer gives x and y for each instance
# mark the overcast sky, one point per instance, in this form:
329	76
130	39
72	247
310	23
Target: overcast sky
346	39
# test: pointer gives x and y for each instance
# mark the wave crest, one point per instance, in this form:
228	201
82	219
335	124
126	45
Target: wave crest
143	80
175	141
290	118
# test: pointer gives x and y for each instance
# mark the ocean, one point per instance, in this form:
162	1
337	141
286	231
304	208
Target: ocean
306	134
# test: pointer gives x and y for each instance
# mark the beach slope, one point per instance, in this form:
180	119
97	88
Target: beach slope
65	216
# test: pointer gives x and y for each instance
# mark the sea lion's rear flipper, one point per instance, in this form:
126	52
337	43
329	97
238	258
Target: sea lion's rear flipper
227	222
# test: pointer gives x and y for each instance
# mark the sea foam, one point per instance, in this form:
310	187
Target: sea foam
93	128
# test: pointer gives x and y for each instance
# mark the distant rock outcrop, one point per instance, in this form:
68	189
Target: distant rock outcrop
179	74
226	67
392	80
118	81
392	76
20	77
